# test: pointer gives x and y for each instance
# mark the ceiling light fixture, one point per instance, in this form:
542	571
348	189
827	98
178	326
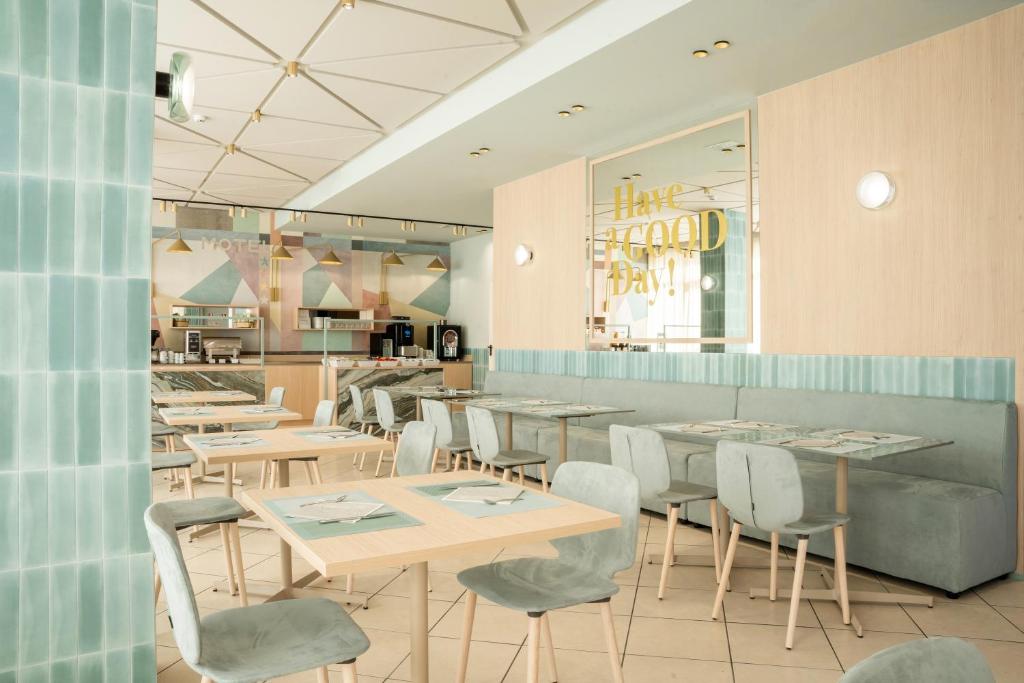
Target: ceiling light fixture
700	54
177	85
348	4
359	222
485	150
163	206
330	259
741	145
174	207
522	255
565	114
291	69
230	149
348	221
636	175
179	246
722	44
437	265
707	283
392	259
727	150
231	212
474	154
412	226
281	254
256	116
626	178
302	217
875	190
402	226
243	212
577	108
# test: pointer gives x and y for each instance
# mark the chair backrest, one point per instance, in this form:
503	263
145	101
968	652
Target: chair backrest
324	415
759	485
415	449
385	408
609	488
181	600
932	660
436	413
642	452
483	435
276	397
357	402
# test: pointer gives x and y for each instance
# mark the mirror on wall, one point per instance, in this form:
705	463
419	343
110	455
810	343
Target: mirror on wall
671	240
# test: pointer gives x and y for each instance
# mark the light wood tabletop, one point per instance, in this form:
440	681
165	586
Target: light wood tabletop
444	532
279	444
179	397
207	415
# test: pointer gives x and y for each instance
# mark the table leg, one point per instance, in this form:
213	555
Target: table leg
563	439
508	431
419	408
419	658
286	550
202	463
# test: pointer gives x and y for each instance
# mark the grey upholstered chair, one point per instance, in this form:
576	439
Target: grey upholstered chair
250	644
415	452
483	436
276	398
367	423
436	413
323	417
932	660
760	486
219	510
642	452
386	417
582	573
178	463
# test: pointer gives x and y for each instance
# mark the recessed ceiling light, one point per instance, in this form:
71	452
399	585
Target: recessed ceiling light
636	175
348	4
485	150
626	178
578	108
565	114
727	150
474	154
740	145
722	44
700	54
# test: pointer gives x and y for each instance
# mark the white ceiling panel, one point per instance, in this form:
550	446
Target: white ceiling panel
183	155
241	92
300	98
183	23
313	168
492	14
165	130
388	105
171	193
274	130
262	19
377	29
243	164
213	64
437	70
221	124
541	15
336	148
227	183
179	177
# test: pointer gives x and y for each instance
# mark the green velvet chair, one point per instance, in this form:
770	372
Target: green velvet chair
582	573
932	660
483	435
642	452
436	413
415	454
251	644
761	487
368	424
391	426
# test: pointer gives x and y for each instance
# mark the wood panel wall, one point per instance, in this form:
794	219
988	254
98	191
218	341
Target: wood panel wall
541	305
940	271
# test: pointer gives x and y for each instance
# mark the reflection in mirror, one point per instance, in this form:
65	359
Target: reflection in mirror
672	242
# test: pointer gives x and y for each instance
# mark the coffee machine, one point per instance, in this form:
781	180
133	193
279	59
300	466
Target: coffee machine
193	346
401	336
445	341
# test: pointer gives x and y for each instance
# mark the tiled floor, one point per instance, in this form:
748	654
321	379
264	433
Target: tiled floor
669	640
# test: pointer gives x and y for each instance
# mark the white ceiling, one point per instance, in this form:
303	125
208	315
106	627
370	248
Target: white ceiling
364	73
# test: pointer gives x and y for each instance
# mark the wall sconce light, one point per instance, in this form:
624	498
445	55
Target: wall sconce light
708	283
178	87
875	190
522	254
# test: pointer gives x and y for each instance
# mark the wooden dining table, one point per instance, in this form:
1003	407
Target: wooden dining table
202	397
438	532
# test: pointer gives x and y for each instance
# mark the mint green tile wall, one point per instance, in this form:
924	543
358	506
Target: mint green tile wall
984	379
76	113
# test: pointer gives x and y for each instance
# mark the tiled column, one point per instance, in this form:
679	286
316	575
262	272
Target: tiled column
76	128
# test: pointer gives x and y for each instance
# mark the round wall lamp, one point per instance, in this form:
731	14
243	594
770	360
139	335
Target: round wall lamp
522	254
178	87
875	190
707	283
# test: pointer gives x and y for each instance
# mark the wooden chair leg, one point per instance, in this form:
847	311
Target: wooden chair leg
273	474
773	572
322	676
236	549
225	540
263	474
362	460
394	463
350	583
522	475
156	584
533	651
670	549
467	635
433	460
610	641
458	462
716	538
348	673
730	556
483	466
506	474
190	492
545	624
318	478
380	461
544	477
206	679
798	580
494	471
841	581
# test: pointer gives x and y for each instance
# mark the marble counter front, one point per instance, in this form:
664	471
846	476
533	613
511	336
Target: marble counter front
339	379
250	379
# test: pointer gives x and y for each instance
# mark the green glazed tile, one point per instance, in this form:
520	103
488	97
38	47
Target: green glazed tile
9	41
34	339
113	331
87	410
116	610
9	356
34	618
8	422
143	663
90	668
10	598
89	138
32	492
34	109
140	140
112	422
62	534
89	520
137	316
64	40
61	409
64	610
9	107
140	493
9	521
115	122
141	589
87	323
64	670
62	322
34	32
143	59
40	673
117	45
32	212
90	608
138	447
63	107
138	233
118	666
90	42
112	230
115	510
60	251
88	230
32	421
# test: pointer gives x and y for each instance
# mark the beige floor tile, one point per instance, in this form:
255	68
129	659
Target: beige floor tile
573	667
582	631
387	650
179	672
638	669
761	673
389	613
1003	592
850	649
900	586
679	576
741	609
258	592
622	603
888	618
166	656
366	583
964	621
679	603
444	586
1014	614
333	677
270	569
1006	659
677	638
490	623
488	662
759	644
261	542
455	565
212	562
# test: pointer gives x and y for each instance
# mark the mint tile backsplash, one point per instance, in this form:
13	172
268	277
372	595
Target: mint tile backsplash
76	111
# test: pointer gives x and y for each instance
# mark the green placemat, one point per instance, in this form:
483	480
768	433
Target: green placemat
528	502
311	530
